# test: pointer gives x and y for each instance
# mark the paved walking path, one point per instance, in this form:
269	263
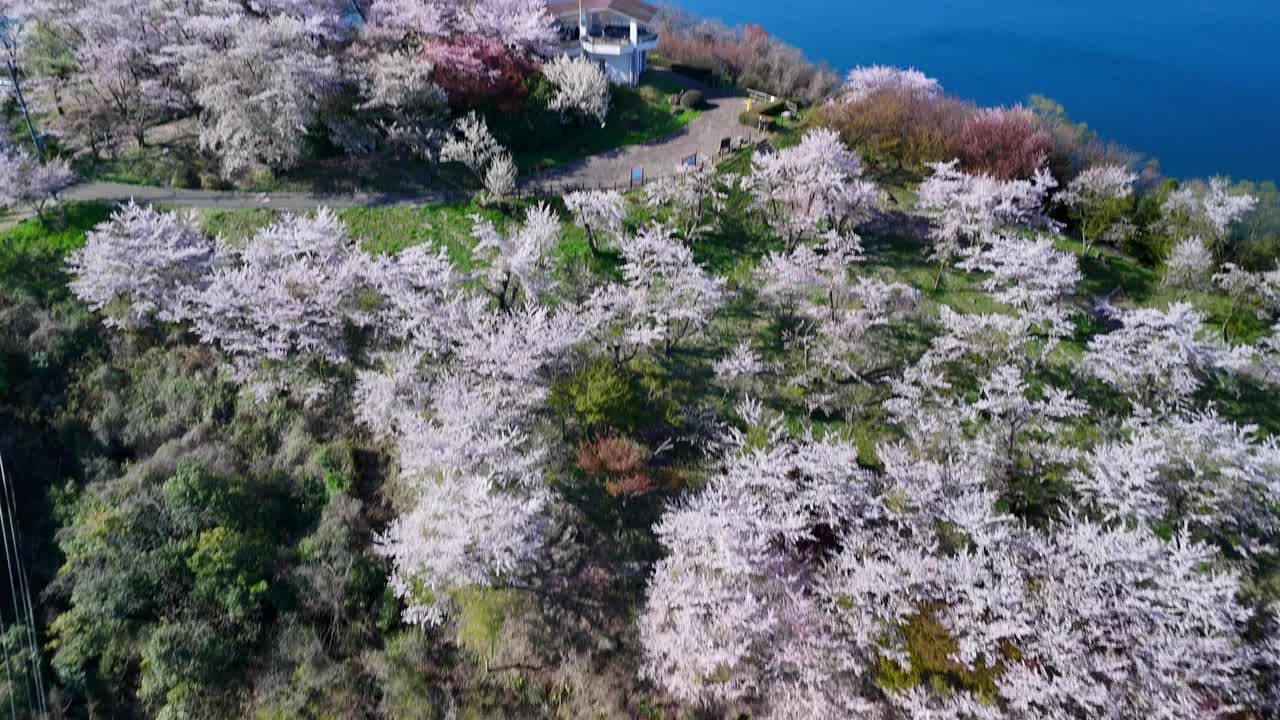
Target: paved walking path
658	158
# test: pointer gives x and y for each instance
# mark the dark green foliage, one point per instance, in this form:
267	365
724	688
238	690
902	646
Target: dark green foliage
1153	241
169	576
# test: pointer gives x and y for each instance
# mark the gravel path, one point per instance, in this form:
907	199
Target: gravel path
658	158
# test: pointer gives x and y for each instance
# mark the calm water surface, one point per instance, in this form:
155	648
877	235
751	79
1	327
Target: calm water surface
1196	84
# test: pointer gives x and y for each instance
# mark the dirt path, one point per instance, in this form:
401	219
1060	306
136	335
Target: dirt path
658	158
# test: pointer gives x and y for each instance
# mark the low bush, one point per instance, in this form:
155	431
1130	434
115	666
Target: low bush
746	56
600	395
692	99
899	130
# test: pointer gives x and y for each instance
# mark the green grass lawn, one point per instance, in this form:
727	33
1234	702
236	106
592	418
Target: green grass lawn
32	253
637	115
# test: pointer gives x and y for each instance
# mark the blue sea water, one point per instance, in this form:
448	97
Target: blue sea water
1194	83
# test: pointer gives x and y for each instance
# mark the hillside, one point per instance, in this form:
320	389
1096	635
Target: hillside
832	425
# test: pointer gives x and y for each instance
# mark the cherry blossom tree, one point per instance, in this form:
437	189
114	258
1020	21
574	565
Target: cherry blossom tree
474	508
1198	470
1099	199
599	212
966	208
1190	266
1030	275
835	327
727	618
1156	357
24	180
1080	621
474	147
844	345
141	265
930	601
864	81
251	115
472	144
420	300
522	23
695	195
519	23
740	365
461	532
399	96
471	50
120	83
1247	289
518	262
1222	208
500	179
790	281
812	188
665	297
283	301
582	88
1021	430
996	352
1210	211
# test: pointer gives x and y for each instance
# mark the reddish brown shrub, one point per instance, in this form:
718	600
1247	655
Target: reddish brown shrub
899	130
747	56
1004	143
621	462
612	456
630	485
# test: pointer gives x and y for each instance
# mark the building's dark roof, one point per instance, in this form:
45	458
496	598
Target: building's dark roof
636	9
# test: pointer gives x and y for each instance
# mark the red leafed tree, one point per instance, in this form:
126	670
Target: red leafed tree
473	70
1006	143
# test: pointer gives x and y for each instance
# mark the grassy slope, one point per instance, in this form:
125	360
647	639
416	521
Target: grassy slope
31	255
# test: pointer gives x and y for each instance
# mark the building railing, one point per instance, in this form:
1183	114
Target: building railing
619	35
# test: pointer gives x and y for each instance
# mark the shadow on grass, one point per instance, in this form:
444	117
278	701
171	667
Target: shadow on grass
1117	277
1246	401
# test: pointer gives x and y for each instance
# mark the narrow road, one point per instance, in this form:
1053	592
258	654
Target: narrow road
237	200
658	158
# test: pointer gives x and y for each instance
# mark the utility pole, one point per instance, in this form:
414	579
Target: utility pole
10	29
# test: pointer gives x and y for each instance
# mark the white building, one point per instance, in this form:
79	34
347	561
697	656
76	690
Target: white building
614	33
